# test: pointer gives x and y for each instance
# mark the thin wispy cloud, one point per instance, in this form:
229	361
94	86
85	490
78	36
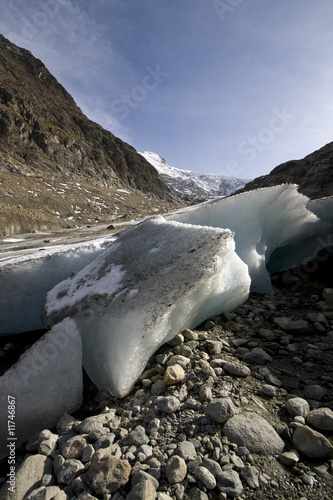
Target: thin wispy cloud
228	74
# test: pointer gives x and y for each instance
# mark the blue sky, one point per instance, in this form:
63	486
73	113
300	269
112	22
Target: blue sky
232	87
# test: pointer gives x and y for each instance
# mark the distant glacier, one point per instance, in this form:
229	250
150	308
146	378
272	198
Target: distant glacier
194	186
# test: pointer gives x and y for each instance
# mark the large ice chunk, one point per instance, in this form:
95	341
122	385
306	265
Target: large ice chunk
263	220
25	281
156	280
44	383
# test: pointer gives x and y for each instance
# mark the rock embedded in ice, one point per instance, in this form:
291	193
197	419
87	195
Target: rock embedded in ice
158	279
273	219
25	281
45	382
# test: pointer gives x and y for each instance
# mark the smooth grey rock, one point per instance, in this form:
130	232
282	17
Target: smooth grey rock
236	369
321	419
178	359
297	326
176	469
205	476
186	450
28	477
213	466
168	404
220	410
289	458
311	443
107	474
251	430
230	483
269	390
39	381
298	406
315	392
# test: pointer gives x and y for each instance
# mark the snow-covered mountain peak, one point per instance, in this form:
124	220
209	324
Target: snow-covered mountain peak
194	186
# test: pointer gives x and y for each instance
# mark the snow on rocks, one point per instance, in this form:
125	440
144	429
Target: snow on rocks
45	382
156	280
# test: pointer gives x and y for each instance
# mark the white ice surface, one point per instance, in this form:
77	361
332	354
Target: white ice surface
157	279
46	382
25	280
263	220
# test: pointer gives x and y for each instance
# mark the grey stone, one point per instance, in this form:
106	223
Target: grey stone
288	325
196	494
205	476
176	469
186	450
251	430
143	491
328	295
236	369
255	357
73	448
137	437
269	390
168	404
214	346
47	441
230	483
141	475
213	466
68	471
220	410
47	493
107	474
315	392
289	458
178	359
28	477
298	406
311	443
250	474
321	419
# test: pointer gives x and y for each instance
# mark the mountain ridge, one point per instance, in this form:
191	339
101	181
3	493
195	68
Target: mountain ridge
313	174
46	141
194	186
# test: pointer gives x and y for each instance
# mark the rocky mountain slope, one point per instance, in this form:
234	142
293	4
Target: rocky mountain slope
313	174
194	186
46	140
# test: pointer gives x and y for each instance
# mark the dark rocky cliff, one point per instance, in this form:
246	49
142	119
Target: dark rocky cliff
46	140
43	128
313	174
